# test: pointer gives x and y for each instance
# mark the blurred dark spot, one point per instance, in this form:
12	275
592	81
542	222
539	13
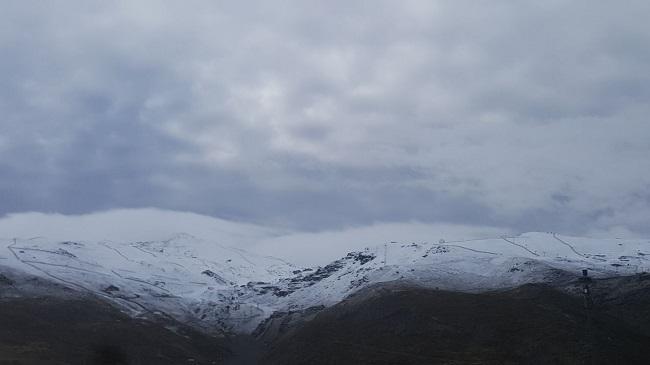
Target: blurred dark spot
109	355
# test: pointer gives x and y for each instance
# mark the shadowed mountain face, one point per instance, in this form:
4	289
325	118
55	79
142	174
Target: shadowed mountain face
533	324
85	331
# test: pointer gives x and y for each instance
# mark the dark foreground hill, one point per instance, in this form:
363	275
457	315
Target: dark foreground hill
38	331
391	323
533	324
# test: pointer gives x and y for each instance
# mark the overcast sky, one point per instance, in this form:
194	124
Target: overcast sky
526	115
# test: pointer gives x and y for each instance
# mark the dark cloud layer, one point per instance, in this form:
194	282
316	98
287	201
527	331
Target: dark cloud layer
317	115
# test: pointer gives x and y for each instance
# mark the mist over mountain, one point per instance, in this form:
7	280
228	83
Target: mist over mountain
304	247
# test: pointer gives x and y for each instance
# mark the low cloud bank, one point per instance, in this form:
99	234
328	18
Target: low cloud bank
132	225
302	248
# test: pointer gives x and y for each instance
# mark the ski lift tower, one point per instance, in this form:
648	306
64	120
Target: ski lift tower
586	292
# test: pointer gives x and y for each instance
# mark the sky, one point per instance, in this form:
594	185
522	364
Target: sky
330	116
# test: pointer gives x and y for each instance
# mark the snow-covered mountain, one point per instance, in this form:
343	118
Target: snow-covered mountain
149	277
225	289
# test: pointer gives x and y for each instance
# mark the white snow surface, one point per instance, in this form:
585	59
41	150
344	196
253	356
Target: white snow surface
225	289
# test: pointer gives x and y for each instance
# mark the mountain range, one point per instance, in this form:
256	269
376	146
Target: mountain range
226	292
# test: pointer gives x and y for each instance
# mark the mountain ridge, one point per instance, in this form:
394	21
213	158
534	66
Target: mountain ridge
221	289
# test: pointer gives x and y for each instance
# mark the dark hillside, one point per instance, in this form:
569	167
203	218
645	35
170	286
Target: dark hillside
50	330
533	324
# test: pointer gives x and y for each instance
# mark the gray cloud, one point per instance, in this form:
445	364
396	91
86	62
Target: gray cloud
318	115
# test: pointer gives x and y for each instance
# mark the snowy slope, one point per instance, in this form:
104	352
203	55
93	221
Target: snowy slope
220	288
473	266
155	277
